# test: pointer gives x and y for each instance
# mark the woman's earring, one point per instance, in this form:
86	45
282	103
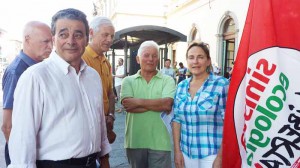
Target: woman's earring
208	69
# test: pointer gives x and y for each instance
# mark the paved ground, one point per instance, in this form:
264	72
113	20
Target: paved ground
118	157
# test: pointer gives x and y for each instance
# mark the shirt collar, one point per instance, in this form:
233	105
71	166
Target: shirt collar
138	74
94	55
211	76
63	65
28	60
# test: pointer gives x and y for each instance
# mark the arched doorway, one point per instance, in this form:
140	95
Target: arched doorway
131	38
227	42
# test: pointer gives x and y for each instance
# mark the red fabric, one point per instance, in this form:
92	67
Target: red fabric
269	23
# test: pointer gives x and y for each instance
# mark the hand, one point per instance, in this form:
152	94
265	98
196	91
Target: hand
168	112
111	135
104	162
178	159
130	103
217	162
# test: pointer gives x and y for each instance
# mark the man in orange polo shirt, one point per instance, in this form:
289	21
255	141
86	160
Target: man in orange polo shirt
102	33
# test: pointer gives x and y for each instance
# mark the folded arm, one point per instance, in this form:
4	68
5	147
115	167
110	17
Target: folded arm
136	105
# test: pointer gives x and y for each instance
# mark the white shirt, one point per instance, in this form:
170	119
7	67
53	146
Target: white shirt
119	71
169	72
57	114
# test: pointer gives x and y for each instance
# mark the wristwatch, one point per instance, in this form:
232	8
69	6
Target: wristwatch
112	115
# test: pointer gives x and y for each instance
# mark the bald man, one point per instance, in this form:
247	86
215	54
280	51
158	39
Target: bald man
37	45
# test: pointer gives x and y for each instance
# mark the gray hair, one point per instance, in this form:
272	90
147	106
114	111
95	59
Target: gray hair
97	23
72	14
147	44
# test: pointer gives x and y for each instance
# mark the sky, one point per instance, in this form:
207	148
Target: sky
15	13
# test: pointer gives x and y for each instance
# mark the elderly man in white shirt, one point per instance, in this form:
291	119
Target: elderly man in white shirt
120	74
58	118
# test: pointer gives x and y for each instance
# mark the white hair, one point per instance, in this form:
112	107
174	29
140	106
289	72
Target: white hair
97	23
147	44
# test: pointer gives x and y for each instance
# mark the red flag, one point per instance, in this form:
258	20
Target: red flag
262	123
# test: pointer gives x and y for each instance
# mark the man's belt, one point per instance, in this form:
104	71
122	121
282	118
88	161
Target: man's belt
84	161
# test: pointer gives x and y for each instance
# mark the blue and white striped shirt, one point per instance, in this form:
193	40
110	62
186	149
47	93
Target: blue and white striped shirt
201	118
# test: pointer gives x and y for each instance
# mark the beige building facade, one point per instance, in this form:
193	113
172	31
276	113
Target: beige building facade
218	23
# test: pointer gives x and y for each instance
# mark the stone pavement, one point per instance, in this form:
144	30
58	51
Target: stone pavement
118	157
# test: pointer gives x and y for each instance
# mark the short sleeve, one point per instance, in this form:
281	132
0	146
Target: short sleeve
223	98
126	88
169	87
179	98
10	80
175	112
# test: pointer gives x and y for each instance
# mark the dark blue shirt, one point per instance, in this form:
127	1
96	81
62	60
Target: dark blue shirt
11	77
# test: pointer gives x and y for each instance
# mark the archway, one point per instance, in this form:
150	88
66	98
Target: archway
131	38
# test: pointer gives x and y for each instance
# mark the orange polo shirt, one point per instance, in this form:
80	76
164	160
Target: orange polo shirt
103	67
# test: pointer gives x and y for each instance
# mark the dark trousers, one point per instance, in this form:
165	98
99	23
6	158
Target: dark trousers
147	158
84	162
6	153
54	164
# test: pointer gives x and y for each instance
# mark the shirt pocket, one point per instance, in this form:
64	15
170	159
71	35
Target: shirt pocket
207	101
